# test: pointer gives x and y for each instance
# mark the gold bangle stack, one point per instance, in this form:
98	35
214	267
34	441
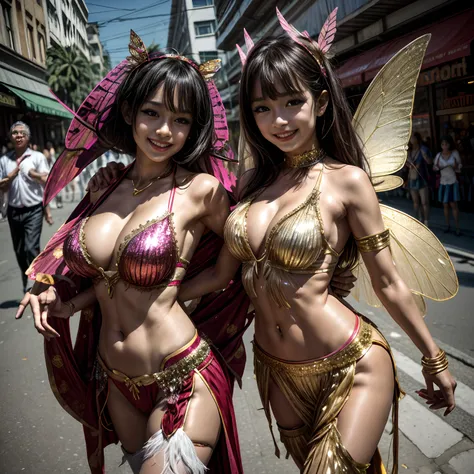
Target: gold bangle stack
435	365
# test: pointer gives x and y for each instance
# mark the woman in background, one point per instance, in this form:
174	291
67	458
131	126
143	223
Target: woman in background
448	162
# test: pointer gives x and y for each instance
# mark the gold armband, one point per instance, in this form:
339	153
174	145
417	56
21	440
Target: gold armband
374	242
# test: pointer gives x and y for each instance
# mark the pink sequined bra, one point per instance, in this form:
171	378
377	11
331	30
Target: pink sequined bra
148	258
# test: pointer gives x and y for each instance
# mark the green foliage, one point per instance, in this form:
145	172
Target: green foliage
70	74
153	48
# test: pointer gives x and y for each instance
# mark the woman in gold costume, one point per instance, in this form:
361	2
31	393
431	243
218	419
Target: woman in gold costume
308	210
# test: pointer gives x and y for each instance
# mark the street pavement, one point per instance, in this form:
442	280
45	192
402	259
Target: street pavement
38	436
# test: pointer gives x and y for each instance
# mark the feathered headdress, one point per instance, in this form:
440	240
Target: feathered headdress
325	38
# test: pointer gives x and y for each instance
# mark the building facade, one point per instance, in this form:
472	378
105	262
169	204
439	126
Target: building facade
24	92
369	33
192	30
67	22
96	50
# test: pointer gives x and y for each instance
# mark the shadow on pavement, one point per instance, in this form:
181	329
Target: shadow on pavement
10	304
466	279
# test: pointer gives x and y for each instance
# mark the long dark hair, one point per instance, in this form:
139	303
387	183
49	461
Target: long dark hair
176	76
281	61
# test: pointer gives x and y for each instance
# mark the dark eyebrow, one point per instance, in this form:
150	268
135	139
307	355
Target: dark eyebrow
279	94
161	104
154	102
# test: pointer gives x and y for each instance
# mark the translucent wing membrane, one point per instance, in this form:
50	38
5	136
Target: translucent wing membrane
383	118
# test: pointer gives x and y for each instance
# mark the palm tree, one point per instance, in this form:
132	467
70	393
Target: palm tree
69	74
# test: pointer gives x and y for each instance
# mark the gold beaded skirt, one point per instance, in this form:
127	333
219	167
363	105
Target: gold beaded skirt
317	391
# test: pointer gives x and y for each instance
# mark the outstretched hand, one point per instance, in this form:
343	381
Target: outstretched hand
444	396
44	305
105	176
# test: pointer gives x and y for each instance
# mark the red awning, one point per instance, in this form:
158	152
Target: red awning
450	39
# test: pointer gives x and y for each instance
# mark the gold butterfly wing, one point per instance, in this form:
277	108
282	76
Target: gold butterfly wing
383	118
383	124
420	258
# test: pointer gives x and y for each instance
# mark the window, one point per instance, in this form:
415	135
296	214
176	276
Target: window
207	56
31	42
203	28
202	3
41	47
8	25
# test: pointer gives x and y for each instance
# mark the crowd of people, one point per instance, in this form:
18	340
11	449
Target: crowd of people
167	278
433	176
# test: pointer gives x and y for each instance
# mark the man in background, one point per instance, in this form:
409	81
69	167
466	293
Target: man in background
23	173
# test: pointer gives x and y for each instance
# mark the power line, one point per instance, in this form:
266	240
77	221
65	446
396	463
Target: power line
157	15
155	4
112	8
152	27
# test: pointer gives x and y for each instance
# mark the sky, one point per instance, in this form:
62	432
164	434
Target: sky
148	18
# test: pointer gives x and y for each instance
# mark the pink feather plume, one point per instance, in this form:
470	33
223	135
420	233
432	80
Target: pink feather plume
242	55
328	32
248	41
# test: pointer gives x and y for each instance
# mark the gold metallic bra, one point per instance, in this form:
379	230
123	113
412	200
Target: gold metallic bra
296	244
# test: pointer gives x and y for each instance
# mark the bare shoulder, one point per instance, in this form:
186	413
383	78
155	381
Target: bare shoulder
202	188
348	176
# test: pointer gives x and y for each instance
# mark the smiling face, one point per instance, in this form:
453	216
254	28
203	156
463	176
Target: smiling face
159	132
289	120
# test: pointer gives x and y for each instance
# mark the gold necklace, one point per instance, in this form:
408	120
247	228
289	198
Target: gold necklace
306	159
137	191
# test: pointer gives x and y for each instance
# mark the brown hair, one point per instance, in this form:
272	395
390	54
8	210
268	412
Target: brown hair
281	61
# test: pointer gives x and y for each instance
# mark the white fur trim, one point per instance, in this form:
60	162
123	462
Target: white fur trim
178	451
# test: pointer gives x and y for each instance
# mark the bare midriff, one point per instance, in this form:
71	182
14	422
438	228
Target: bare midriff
139	329
316	325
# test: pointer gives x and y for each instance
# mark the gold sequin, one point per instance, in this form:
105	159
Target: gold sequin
306	159
170	380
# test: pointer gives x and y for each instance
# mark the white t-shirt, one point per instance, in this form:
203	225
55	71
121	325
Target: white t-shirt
24	191
447	167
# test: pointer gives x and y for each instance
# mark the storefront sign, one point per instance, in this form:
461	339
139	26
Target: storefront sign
443	73
464	100
6	99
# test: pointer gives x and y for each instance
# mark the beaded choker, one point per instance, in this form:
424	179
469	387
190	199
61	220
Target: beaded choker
306	159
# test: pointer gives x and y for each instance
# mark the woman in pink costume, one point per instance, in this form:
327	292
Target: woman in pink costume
140	371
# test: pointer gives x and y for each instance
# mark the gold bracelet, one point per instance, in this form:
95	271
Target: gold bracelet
435	365
71	306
